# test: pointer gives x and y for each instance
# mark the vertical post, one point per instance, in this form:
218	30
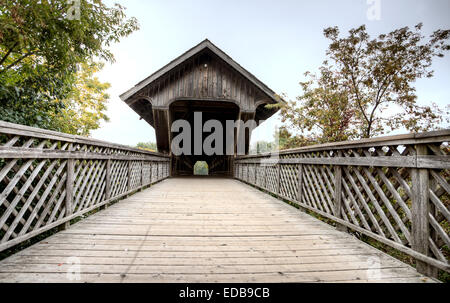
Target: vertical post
265	176
300	182
151	173
142	172
157	171
278	178
108	183
129	174
69	189
420	227
338	195
248	173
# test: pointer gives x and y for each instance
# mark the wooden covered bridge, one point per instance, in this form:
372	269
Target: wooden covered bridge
128	215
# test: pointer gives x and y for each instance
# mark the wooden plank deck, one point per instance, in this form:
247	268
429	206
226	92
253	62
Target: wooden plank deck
204	230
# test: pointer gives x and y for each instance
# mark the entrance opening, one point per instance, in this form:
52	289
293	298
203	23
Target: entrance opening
219	164
201	168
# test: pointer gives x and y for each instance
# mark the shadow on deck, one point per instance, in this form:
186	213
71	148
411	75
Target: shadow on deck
203	230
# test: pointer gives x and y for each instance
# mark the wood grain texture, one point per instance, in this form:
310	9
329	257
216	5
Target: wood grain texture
394	190
204	230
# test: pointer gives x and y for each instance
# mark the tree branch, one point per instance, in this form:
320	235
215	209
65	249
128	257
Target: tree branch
16	62
8	53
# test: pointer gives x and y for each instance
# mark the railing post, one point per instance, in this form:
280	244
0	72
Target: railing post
278	178
248	173
69	189
129	175
157	171
300	183
338	195
107	183
142	172
420	210
151	172
265	176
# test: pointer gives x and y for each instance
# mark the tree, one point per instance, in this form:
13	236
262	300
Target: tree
365	87
150	146
286	140
324	111
201	168
262	147
85	106
41	47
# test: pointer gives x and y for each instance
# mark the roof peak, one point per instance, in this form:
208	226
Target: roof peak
206	43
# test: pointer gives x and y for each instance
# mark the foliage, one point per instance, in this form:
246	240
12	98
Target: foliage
41	47
324	111
286	140
262	147
150	146
201	168
365	87
85	106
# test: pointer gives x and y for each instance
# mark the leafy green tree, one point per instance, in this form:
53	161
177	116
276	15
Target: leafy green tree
150	146
287	140
324	111
41	47
262	147
365	87
201	168
85	106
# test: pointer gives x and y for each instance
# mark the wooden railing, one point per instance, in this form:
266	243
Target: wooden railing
395	190
49	178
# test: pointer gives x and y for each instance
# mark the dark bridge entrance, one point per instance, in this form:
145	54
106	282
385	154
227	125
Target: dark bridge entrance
203	80
220	163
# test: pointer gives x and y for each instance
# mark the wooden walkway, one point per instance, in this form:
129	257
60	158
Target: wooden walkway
203	230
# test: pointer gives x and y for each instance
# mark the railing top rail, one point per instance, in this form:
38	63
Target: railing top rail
408	139
22	130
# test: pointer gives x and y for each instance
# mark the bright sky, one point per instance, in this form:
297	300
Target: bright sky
277	41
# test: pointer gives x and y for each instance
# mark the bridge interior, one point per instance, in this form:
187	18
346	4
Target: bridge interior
219	163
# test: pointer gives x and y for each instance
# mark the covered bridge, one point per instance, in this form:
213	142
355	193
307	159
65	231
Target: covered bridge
203	79
393	192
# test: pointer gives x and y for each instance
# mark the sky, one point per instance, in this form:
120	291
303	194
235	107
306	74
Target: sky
277	41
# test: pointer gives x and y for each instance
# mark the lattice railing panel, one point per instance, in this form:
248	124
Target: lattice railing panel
261	176
30	191
146	173
272	178
136	174
440	205
288	181
377	199
89	184
252	174
382	187
48	178
154	172
119	177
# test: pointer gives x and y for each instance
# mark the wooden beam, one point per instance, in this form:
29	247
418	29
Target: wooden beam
420	225
69	191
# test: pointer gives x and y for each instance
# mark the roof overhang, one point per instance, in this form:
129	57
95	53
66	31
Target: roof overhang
206	44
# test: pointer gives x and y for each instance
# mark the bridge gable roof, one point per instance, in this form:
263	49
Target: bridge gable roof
204	45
